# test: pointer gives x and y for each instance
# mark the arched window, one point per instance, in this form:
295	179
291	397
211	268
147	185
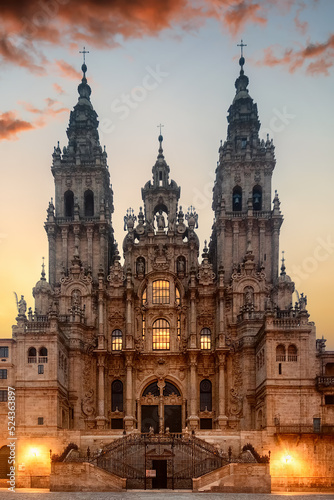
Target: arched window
160	292
32	355
205	390
257	198
170	389
292	353
280	352
116	340
237	199
144	297
205	338
152	389
177	296
43	355
89	203
117	395
160	334
69	203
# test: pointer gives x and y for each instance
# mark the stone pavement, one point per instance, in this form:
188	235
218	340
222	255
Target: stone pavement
39	494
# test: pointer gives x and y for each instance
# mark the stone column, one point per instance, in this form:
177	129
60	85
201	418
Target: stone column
275	251
262	240
235	252
129	418
52	255
221	333
193	333
193	419
222	418
90	247
64	233
161	385
101	419
103	252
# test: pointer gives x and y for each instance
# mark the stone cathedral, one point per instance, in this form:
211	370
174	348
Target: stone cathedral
169	341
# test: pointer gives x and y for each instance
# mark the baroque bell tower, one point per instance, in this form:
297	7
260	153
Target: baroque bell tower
79	222
244	221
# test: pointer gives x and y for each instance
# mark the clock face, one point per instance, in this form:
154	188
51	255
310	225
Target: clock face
140	229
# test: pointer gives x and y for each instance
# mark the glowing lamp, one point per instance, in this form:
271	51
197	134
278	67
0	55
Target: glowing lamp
34	452
287	459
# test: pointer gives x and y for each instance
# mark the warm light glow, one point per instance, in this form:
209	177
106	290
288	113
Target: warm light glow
287	459
34	452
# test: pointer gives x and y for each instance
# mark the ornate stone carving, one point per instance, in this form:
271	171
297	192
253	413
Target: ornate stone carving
116	274
87	404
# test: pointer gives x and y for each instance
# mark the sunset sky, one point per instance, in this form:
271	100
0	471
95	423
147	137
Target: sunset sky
175	63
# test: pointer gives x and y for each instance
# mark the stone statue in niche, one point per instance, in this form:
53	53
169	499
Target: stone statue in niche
161	221
140	266
249	296
76	298
181	265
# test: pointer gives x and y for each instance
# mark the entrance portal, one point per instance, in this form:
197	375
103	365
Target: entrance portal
160	481
173	418
149	418
161	408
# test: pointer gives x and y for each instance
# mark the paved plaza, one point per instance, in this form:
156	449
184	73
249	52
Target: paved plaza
30	494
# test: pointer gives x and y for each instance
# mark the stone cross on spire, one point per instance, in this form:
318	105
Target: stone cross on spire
241	45
84	52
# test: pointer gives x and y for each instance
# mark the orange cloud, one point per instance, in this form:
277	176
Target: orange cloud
10	126
102	23
58	89
49	110
301	26
242	13
67	71
323	54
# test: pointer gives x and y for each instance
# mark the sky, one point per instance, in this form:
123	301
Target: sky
173	62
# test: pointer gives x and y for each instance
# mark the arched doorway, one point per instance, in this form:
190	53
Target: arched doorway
161	408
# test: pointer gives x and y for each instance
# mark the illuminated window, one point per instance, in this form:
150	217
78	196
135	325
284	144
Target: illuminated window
178	330
144	297
143	326
160	334
205	338
177	296
116	340
160	292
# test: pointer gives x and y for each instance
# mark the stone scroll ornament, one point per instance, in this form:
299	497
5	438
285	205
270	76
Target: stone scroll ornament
87	403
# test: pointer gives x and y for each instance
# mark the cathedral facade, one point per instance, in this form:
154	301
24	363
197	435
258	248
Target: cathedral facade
169	340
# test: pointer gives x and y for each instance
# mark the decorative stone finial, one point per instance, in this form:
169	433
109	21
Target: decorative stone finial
283	273
43	271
